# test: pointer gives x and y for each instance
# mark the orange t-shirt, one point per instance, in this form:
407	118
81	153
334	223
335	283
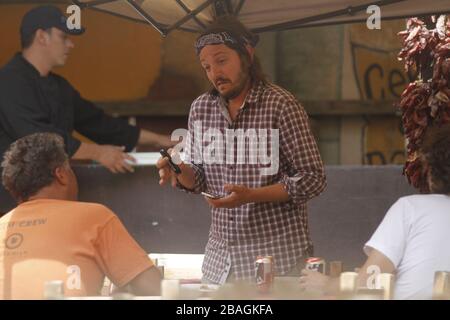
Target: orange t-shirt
76	242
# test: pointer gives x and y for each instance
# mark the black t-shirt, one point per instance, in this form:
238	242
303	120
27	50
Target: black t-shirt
30	103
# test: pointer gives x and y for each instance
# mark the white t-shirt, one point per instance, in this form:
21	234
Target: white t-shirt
415	236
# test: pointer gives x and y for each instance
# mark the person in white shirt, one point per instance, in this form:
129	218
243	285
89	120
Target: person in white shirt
413	239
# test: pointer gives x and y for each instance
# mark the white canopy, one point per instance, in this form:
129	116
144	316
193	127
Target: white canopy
260	15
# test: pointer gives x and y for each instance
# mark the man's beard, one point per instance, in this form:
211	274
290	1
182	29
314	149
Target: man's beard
237	90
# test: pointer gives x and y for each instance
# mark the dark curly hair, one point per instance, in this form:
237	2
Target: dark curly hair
30	162
436	154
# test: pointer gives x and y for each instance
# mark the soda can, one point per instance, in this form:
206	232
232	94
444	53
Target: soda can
264	273
315	264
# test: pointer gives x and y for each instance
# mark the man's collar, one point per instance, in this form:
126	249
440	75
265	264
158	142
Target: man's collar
19	58
255	91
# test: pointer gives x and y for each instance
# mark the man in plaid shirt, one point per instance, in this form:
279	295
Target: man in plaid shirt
261	209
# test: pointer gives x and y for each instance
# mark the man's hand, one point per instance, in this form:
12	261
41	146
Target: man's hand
114	158
239	196
186	178
165	173
314	281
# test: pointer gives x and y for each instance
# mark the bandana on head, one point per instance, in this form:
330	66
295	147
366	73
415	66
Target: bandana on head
223	38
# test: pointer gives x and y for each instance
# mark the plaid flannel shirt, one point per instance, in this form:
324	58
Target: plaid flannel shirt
238	235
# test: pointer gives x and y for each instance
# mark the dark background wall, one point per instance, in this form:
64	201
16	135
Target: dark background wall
166	220
345	216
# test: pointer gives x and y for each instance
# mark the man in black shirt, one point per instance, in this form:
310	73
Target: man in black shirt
33	99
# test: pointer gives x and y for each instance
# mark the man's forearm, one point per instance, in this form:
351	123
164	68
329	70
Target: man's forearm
86	151
272	193
147	283
149	138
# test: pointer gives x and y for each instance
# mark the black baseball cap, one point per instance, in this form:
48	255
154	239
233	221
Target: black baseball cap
46	17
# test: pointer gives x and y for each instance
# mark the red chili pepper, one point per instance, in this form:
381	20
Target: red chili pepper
425	102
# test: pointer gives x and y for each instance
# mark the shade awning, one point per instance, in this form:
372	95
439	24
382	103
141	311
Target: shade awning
260	15
257	15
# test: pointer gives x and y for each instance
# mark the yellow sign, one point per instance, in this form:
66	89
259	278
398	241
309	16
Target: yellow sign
378	73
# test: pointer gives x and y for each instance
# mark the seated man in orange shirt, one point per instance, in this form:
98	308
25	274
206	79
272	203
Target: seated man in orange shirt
50	236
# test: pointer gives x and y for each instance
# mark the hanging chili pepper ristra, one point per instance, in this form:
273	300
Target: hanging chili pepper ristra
425	102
